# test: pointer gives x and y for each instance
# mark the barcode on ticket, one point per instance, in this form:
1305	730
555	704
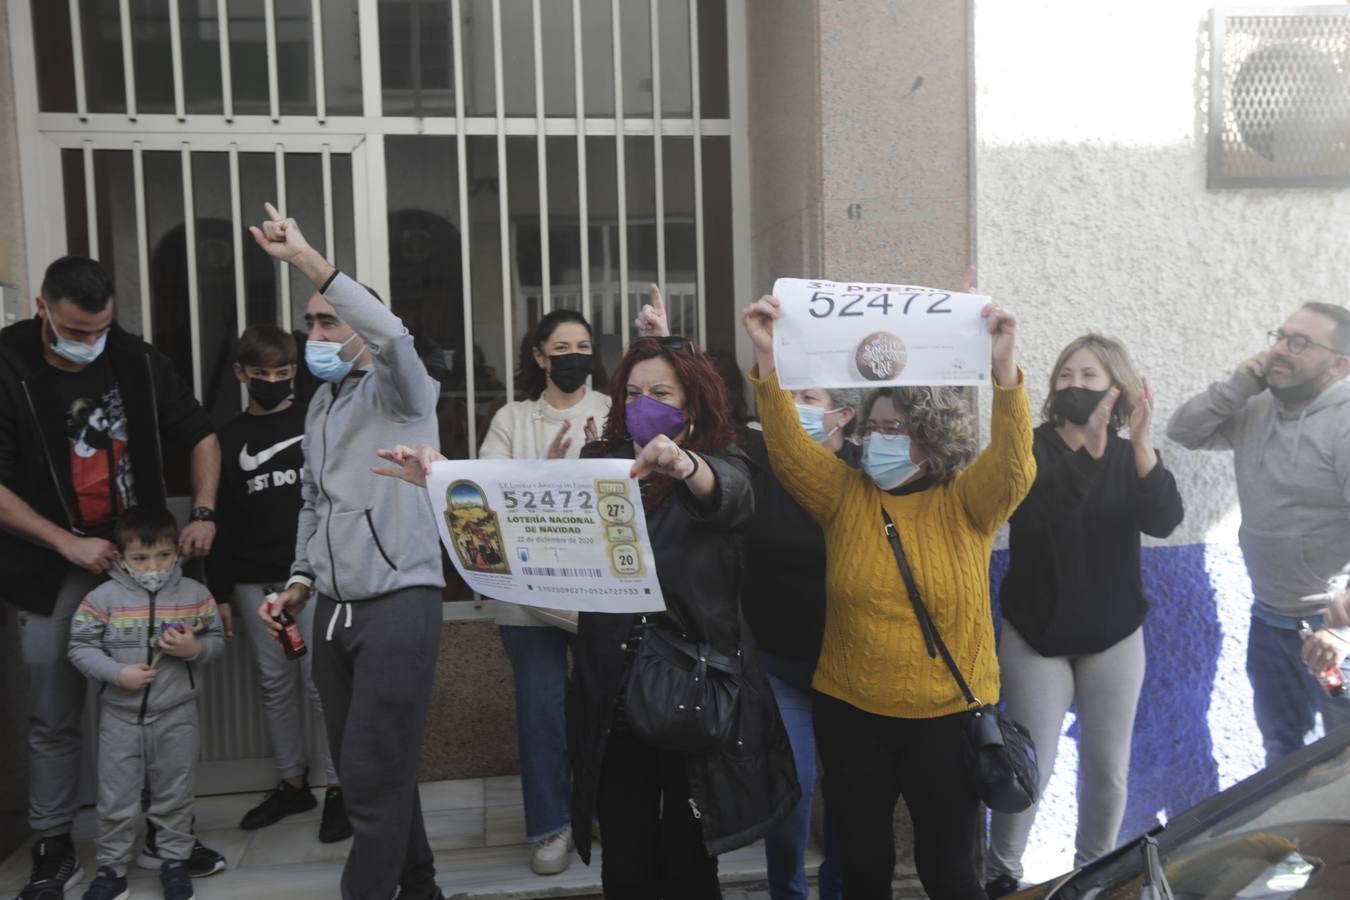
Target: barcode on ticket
561	572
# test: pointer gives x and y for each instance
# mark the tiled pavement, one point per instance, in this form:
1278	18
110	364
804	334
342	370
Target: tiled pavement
475	826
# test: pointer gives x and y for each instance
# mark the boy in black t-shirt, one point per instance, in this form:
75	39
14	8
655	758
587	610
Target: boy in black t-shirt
259	507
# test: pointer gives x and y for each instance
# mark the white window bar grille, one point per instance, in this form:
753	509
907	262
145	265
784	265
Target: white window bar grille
658	145
503	206
76	56
90	199
621	171
194	292
583	187
320	86
280	201
142	240
465	255
273	86
696	118
541	157
330	242
128	57
226	77
610	300
176	53
237	245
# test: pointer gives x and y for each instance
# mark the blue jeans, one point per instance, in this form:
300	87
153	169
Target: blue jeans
785	846
1286	697
539	662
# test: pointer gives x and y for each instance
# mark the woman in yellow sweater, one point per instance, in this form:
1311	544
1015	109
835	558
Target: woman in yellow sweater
887	715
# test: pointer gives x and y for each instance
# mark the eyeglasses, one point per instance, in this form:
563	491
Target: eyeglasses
677	344
893	428
1297	343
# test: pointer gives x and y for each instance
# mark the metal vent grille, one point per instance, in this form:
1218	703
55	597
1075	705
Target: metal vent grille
1279	97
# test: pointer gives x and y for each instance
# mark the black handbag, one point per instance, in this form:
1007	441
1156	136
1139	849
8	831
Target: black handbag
1002	756
682	695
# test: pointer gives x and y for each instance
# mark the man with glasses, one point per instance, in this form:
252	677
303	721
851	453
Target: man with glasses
1285	414
88	413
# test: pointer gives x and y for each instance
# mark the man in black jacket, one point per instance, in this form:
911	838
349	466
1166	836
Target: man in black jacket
86	410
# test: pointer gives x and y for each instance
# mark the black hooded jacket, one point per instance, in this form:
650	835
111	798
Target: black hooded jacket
35	456
739	795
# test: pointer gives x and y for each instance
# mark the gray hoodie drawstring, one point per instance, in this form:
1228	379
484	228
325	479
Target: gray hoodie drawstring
332	622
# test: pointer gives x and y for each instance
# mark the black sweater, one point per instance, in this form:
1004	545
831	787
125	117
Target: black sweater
259	504
164	424
783	596
1073	583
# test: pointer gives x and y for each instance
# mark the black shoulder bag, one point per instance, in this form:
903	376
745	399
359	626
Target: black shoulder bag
1002	756
682	695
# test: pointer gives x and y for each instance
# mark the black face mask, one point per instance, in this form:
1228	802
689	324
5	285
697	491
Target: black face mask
569	370
269	394
1076	404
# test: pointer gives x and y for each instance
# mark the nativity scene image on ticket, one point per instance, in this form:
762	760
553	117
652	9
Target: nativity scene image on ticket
474	529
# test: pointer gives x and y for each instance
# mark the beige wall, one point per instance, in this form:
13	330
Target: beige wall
471	726
853	174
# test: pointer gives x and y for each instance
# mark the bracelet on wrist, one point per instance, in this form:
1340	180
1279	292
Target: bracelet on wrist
694	471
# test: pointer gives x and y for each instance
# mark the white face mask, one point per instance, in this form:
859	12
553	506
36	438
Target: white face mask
886	460
155	579
813	422
77	352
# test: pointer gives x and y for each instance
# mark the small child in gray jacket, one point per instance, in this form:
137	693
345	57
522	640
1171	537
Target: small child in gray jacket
141	635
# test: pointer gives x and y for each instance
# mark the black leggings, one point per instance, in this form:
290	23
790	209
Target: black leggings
652	846
870	761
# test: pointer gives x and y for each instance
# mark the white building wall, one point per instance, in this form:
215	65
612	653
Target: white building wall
1093	214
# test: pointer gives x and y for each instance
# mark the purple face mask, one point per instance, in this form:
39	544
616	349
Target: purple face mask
647	418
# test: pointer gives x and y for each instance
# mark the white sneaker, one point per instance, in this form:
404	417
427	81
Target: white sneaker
553	855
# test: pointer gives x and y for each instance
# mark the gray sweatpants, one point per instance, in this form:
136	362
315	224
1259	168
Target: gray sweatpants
161	755
1038	690
283	682
375	663
56	692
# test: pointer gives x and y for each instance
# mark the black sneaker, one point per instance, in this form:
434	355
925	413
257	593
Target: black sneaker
203	862
55	868
280	802
176	880
334	827
107	885
1001	886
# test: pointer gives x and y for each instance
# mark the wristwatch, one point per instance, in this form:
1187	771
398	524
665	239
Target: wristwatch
202	514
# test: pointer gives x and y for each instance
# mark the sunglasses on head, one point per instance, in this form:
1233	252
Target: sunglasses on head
677	344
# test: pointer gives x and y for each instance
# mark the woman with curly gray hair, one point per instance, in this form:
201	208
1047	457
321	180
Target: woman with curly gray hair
888	717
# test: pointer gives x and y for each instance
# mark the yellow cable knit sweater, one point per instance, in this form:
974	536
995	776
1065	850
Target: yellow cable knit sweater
873	655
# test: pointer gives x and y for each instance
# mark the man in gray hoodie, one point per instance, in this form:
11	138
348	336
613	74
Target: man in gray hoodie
1285	414
369	548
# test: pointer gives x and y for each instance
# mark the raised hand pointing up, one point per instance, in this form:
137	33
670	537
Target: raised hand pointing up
280	238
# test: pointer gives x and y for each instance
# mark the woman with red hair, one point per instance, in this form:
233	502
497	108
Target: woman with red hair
666	815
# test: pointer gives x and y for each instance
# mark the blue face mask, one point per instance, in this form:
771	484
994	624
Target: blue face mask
323	359
813	422
886	460
77	352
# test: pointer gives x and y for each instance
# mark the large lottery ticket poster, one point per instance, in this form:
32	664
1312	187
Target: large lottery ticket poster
564	534
834	334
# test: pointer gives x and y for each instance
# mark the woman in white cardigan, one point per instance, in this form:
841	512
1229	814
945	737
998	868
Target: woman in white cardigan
553	424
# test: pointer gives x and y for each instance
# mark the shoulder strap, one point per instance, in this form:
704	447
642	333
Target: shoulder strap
932	640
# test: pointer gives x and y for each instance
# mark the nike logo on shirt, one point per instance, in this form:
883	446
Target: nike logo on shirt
250	463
